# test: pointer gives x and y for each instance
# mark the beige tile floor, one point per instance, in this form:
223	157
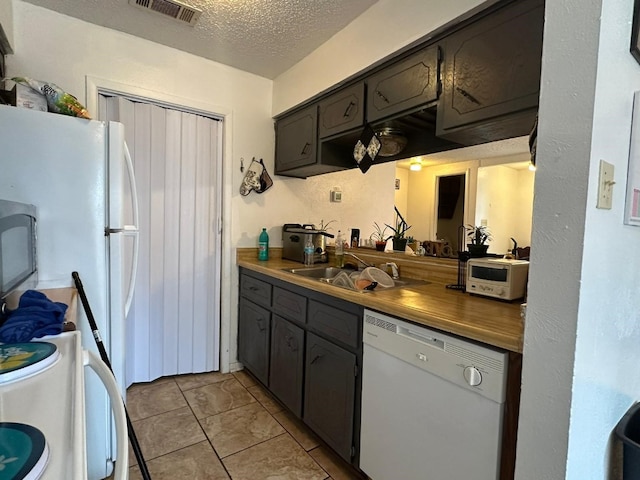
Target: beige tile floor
216	426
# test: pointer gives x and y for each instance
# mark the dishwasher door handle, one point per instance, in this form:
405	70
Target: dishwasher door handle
420	337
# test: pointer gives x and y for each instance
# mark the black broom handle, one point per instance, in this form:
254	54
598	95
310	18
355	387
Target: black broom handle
105	358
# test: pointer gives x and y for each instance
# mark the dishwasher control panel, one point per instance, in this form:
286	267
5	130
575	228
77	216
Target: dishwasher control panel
464	363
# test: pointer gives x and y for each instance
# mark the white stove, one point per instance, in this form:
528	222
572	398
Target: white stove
46	399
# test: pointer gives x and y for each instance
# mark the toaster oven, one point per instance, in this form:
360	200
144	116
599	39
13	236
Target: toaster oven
497	277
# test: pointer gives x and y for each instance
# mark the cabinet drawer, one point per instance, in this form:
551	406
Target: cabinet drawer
290	305
255	290
334	323
342	110
407	84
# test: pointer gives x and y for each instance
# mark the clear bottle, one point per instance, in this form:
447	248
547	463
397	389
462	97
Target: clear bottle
339	250
263	245
309	250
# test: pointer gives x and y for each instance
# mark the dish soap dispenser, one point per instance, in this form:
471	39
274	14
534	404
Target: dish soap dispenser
263	245
339	250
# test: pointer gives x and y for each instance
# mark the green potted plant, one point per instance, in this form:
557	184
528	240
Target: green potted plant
401	227
478	236
324	227
378	237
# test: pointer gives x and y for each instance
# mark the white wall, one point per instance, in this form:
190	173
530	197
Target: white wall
582	332
6	20
505	200
401	197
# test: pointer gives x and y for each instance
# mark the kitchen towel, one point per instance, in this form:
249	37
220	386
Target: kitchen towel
366	149
36	316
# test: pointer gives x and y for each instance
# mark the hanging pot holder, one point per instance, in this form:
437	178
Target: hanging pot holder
265	179
251	180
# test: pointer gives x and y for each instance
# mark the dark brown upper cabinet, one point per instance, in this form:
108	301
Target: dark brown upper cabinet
297	140
491	79
342	111
405	85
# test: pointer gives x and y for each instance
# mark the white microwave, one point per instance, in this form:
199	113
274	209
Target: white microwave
497	277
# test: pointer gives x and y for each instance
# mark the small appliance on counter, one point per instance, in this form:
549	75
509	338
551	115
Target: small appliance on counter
497	277
293	242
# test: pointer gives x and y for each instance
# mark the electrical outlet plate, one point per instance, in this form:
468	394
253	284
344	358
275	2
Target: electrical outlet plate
605	186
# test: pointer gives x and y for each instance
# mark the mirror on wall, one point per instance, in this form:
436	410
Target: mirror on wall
491	185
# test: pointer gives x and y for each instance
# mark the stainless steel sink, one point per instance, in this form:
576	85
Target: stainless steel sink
317	272
327	275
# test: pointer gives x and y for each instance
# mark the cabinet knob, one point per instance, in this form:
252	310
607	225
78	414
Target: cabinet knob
473	376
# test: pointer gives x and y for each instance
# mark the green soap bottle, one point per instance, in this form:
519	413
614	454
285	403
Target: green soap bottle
263	245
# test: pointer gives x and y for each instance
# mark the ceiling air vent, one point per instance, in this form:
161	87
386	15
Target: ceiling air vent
171	8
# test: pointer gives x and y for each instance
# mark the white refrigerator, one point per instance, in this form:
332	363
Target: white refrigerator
80	178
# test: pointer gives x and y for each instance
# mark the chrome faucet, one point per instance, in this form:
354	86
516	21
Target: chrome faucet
358	259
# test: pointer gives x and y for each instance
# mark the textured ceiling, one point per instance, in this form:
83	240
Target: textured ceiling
265	37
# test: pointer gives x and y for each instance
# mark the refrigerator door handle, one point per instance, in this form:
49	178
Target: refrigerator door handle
132	230
132	185
134	269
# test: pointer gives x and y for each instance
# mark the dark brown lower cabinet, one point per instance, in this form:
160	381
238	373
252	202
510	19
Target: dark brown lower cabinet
305	347
287	363
329	394
253	338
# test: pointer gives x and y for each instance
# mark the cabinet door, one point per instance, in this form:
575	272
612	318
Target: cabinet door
342	111
296	140
287	363
253	338
329	393
405	85
492	67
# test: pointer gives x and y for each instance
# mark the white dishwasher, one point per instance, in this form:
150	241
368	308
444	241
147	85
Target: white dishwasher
432	404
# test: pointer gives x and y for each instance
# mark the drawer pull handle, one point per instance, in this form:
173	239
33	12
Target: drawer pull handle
381	95
253	289
468	96
315	359
347	112
292	344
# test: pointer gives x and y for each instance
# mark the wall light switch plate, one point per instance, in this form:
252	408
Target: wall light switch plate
336	196
605	186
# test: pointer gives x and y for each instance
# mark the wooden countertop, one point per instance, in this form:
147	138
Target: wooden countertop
489	321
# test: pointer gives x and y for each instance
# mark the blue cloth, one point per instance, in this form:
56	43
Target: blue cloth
36	316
